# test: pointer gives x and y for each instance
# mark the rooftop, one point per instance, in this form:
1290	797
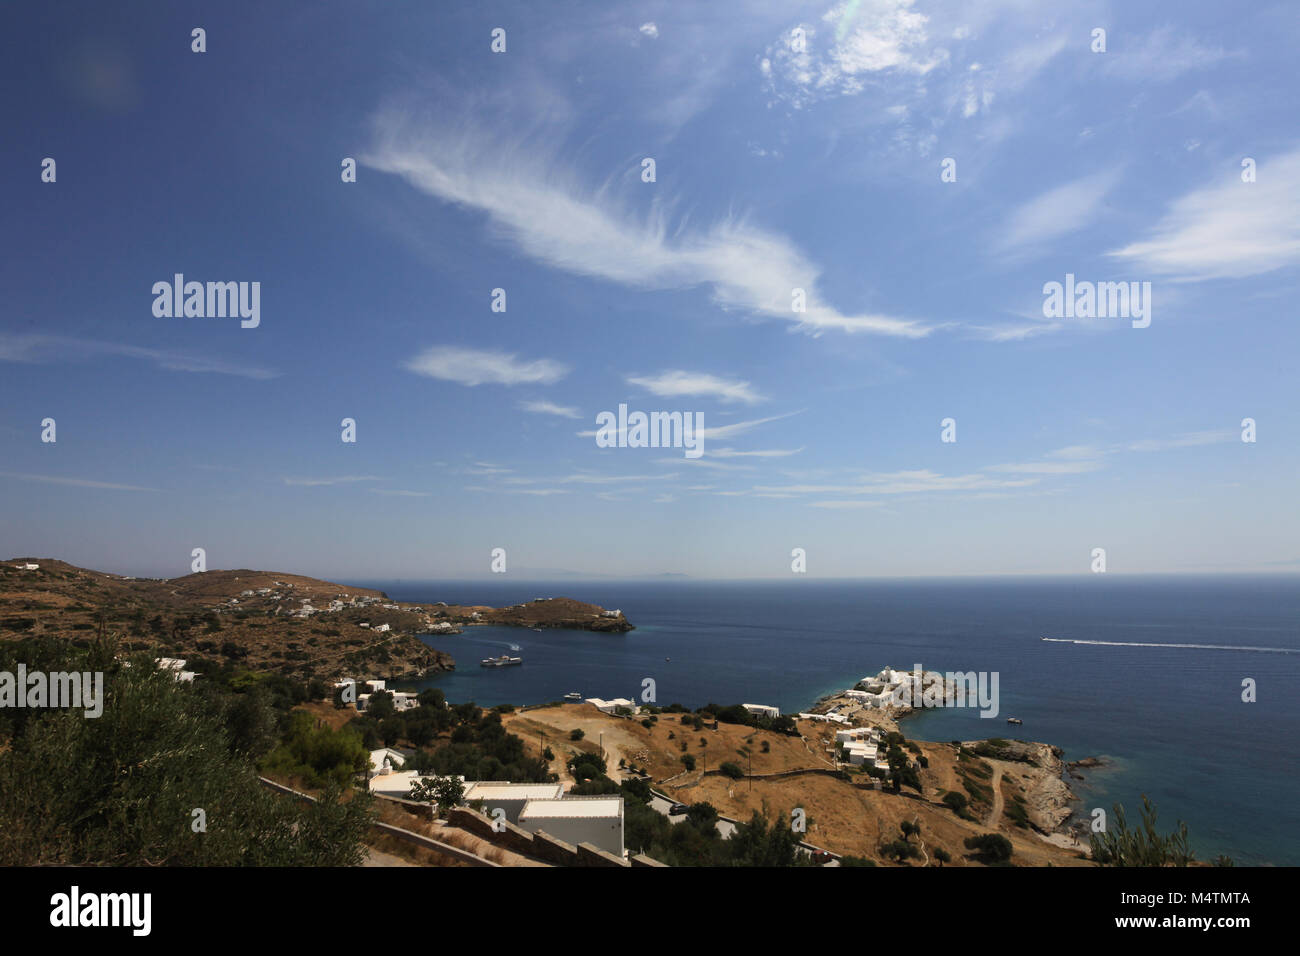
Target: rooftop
573	807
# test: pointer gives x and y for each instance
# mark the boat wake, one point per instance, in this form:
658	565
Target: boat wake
1198	647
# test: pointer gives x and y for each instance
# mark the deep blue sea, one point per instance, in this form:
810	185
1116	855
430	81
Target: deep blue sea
1169	721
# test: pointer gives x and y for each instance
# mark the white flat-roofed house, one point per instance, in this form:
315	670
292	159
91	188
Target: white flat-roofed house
382	628
594	820
858	752
610	706
510	797
762	710
375	685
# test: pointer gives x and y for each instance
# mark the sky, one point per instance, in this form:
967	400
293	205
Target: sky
826	229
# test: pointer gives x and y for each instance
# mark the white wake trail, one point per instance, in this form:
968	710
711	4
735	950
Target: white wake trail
1198	647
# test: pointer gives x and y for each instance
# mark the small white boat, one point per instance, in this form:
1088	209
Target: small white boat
1014	720
573	696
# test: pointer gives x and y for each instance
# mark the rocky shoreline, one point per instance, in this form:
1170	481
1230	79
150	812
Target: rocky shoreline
1039	768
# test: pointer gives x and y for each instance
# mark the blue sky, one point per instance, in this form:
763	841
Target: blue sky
779	164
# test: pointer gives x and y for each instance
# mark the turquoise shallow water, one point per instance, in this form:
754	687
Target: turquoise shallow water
1170	721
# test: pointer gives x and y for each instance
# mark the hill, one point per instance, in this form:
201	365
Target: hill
290	624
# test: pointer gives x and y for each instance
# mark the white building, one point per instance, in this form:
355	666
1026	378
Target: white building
609	706
382	628
594	820
177	666
858	752
510	797
762	710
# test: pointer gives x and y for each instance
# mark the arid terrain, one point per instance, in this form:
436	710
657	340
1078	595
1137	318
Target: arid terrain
1010	796
267	621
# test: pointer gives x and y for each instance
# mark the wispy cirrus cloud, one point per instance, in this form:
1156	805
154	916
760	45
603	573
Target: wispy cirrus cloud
322	482
73	482
1188	440
537	204
1161	55
676	383
471	367
40	349
1055	213
541	407
759	453
1229	230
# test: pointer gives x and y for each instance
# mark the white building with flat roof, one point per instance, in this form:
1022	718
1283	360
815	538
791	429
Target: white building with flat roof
762	710
510	797
594	820
609	706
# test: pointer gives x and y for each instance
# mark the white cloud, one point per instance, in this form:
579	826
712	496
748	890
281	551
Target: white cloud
650	30
73	482
1161	55
863	38
905	483
677	382
1048	467
54	348
1056	212
765	453
1014	333
483	367
1230	230
550	408
341	480
539	208
1189	440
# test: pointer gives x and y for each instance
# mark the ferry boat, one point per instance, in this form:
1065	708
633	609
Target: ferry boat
1014	720
575	696
505	660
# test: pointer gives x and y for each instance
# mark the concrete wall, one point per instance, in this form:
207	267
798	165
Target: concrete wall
539	845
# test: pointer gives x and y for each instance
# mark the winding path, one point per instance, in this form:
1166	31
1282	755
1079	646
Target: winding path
996	813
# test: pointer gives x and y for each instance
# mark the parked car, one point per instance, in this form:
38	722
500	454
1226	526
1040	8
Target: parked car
676	809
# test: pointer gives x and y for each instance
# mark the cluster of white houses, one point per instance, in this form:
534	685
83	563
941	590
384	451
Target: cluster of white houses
597	820
889	688
860	746
402	700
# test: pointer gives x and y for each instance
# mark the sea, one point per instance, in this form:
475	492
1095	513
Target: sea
1187	688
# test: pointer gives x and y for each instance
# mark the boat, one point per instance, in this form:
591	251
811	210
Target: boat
505	660
573	696
1014	720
